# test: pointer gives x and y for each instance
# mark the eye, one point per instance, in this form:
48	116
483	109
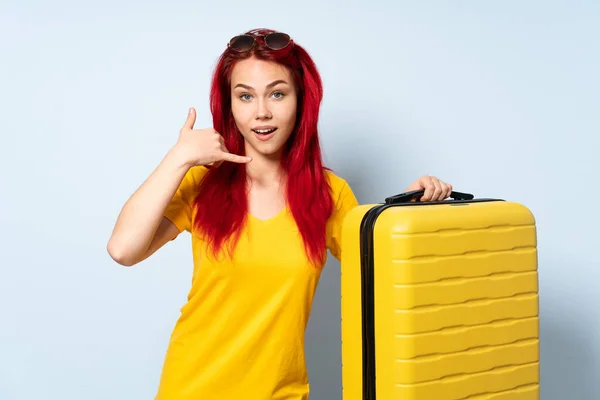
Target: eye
278	95
245	97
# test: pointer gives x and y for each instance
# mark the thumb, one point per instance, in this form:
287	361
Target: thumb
191	119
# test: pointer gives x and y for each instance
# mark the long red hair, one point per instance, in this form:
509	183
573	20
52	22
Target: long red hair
222	204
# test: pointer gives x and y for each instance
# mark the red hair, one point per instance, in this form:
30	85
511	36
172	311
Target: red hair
222	203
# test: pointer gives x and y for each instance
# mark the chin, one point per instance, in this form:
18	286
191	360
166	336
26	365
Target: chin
268	151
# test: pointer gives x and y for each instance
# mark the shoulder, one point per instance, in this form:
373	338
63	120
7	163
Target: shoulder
336	182
190	183
340	188
194	176
196	173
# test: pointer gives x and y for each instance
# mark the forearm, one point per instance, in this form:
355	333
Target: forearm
141	215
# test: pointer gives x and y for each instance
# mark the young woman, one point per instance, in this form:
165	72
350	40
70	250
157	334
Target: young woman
262	210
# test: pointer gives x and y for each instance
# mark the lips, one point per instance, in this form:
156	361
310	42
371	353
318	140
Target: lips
264	132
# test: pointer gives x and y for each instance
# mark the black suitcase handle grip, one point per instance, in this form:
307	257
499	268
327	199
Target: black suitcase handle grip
416	194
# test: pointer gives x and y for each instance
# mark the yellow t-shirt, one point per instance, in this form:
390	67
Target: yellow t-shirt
241	333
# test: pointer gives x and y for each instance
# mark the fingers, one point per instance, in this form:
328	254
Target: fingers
434	189
447	190
427	184
437	189
191	119
226	156
223	150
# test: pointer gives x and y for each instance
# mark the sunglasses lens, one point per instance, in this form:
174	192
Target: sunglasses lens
242	43
277	40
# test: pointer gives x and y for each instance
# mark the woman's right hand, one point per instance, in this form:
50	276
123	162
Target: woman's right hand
203	146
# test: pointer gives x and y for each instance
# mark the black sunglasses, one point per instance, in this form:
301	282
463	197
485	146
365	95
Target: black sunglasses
274	41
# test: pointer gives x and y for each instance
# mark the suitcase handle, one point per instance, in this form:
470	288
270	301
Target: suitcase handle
416	194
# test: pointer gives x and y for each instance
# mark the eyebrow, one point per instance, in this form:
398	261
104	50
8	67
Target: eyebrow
270	85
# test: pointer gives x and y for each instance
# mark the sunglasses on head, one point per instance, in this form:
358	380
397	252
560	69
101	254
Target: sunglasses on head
274	41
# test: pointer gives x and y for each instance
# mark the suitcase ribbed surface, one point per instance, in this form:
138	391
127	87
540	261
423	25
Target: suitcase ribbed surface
456	303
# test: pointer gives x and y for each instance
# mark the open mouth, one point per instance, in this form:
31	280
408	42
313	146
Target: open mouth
264	131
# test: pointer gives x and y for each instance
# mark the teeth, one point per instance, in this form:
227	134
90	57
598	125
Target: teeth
263	130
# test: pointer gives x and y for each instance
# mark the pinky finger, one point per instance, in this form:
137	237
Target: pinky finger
235	158
446	190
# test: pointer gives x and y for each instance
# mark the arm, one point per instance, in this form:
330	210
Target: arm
346	201
141	228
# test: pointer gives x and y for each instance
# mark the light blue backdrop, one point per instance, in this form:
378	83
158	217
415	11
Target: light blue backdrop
500	98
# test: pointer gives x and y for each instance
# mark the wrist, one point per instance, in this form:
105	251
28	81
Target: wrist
177	158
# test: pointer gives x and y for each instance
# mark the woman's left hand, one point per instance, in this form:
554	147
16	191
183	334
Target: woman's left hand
435	189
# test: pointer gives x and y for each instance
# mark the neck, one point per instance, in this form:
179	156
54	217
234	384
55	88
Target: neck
265	171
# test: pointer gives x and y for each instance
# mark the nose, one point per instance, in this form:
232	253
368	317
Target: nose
262	110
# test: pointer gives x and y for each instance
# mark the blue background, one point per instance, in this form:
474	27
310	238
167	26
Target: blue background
499	98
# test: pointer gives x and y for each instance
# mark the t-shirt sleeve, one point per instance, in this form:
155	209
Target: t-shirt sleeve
346	201
179	210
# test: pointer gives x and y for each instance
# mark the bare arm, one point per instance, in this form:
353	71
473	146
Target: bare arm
141	227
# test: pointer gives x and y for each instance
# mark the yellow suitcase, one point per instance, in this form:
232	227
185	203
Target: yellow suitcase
440	300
